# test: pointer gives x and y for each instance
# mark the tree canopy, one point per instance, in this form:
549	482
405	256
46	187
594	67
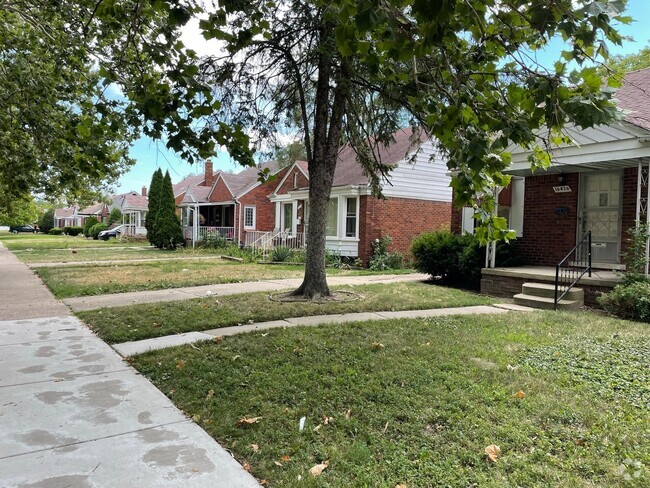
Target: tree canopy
466	71
59	134
620	65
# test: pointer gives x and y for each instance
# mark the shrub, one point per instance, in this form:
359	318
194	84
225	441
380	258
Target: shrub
628	301
214	241
381	258
89	224
281	254
47	221
56	231
115	216
635	256
455	259
73	231
96	229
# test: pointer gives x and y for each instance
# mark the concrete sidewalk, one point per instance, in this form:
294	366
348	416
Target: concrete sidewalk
79	304
126	349
74	414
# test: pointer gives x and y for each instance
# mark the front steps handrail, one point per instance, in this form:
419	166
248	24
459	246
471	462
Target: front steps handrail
572	268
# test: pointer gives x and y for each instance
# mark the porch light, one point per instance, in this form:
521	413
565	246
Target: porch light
561	179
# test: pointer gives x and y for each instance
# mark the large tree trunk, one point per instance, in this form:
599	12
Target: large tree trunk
328	121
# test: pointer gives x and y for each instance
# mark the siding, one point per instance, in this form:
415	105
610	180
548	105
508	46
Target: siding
425	179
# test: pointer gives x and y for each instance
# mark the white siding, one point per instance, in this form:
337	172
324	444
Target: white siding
424	179
343	247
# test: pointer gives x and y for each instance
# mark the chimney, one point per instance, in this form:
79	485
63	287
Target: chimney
144	191
209	175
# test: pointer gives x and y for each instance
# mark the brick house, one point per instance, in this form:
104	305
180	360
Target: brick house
599	185
74	216
239	207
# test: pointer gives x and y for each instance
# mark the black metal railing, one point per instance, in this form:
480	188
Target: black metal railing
573	267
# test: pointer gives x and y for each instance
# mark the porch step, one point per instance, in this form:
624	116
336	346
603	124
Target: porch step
545	302
547	290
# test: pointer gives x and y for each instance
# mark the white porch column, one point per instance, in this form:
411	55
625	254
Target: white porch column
195	224
294	217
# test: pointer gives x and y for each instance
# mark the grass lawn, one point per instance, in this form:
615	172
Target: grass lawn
424	398
136	322
20	242
73	281
106	254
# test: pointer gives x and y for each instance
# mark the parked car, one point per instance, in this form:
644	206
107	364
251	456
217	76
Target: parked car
15	229
107	234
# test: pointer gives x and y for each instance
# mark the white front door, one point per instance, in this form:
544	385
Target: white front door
601	214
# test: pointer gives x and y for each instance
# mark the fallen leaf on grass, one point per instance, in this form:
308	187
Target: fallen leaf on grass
285	458
210	394
318	469
254	447
317	428
348	414
217	339
520	394
245	421
327	420
278	463
402	485
264	482
376	346
155	325
180	364
247	467
492	451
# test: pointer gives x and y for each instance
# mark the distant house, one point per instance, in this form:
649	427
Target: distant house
253	213
74	216
67	217
133	206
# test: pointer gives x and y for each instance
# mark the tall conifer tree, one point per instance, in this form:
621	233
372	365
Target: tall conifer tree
154	204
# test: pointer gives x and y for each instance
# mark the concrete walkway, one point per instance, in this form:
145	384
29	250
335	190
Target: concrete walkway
137	347
79	304
73	414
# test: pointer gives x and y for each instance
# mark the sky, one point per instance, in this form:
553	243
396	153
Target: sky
150	155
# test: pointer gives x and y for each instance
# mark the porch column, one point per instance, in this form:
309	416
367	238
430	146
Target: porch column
195	223
643	180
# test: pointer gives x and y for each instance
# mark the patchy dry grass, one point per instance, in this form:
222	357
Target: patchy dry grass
418	401
136	322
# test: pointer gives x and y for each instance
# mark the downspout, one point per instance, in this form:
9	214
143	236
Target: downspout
238	214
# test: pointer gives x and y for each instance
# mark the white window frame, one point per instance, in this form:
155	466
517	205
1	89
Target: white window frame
467	220
345	218
246	208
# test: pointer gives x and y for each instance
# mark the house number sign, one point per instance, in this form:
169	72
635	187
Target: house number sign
562	189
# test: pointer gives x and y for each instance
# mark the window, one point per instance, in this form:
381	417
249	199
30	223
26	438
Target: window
351	217
287	217
249	217
332	223
295	180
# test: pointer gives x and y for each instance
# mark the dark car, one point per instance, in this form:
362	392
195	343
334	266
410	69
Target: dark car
23	228
107	234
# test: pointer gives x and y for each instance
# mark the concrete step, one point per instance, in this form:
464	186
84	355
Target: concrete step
547	290
546	303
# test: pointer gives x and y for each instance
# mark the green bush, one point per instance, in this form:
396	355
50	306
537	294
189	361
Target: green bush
89	224
382	259
46	222
96	229
456	260
73	231
115	216
215	241
281	254
628	301
56	231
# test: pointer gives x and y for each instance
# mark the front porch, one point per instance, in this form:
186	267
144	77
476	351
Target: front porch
507	282
204	221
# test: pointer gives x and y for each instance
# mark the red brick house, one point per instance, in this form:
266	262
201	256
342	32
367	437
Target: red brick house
598	185
239	207
74	216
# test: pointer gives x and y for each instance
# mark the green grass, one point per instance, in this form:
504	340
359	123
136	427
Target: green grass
21	242
87	280
426	397
106	254
137	322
